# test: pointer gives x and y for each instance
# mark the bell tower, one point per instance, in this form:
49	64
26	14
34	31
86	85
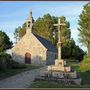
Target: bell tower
29	24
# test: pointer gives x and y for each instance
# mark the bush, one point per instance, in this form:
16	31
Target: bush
5	61
2	64
16	65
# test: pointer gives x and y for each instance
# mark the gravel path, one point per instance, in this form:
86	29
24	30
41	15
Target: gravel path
22	80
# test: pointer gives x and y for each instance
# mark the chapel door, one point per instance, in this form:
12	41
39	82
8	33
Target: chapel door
27	58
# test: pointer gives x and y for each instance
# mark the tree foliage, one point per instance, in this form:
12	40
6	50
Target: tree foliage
44	27
5	42
84	26
19	32
16	34
22	30
5	61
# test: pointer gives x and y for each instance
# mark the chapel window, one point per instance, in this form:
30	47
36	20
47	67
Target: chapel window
29	24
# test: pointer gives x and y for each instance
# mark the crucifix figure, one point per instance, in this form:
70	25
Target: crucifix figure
59	39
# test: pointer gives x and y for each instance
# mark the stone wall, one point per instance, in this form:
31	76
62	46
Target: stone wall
29	43
51	56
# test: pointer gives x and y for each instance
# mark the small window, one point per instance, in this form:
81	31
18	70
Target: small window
29	24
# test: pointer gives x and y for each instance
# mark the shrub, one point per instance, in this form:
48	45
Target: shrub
5	61
2	64
16	65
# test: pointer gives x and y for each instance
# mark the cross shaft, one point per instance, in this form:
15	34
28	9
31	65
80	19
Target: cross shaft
59	39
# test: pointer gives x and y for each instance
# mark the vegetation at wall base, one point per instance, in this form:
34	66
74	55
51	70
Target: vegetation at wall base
5	61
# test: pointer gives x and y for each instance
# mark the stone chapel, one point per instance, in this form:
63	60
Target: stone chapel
33	49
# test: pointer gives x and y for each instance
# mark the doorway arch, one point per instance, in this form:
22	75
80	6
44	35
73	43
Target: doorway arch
27	58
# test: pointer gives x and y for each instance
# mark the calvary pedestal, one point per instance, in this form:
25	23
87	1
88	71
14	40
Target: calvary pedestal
60	65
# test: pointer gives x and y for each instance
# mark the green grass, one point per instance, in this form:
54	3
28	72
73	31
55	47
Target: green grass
85	75
11	72
46	84
84	71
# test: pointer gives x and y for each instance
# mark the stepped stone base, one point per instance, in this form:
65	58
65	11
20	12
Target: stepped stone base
60	72
76	81
60	65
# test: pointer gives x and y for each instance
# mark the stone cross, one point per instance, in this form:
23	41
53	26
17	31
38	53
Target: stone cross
59	39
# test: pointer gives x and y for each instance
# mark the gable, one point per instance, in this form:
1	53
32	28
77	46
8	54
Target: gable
29	42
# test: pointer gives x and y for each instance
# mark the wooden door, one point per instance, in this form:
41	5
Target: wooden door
27	58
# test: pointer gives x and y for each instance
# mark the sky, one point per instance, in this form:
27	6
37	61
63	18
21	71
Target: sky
15	13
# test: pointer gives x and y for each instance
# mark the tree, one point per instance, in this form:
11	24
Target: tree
16	34
5	42
84	27
22	31
44	26
19	32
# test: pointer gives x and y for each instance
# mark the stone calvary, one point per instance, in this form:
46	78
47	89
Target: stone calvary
60	72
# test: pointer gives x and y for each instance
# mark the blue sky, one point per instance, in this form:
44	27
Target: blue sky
14	14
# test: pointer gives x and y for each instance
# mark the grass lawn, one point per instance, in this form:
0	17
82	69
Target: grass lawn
46	84
10	72
84	75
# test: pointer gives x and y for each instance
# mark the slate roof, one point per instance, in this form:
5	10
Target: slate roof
46	43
